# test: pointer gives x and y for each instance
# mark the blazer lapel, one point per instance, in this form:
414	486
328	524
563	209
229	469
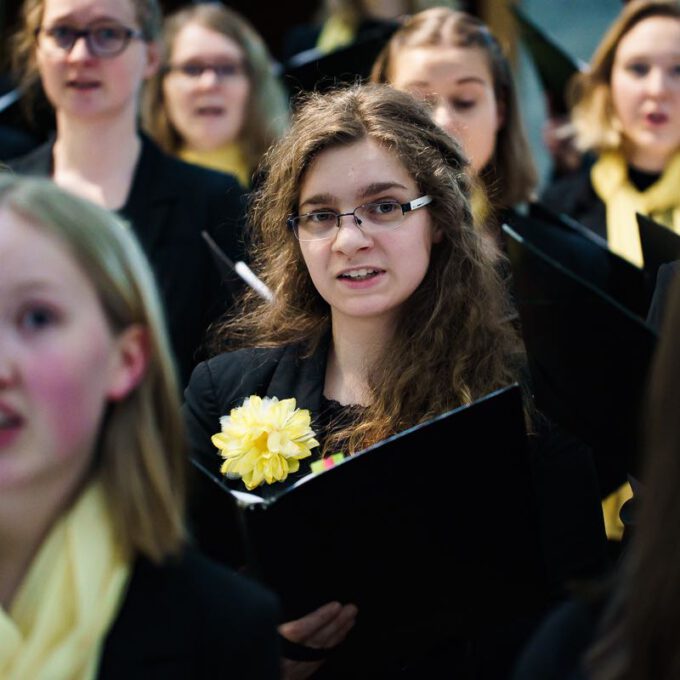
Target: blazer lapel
152	196
301	378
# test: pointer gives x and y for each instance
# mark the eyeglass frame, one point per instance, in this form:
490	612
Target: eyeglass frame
241	70
407	207
129	33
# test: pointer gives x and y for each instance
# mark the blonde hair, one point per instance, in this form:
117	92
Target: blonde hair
140	456
453	342
266	117
510	175
589	93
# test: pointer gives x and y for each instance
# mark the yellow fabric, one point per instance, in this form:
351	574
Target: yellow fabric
68	600
661	202
479	203
228	158
611	508
335	33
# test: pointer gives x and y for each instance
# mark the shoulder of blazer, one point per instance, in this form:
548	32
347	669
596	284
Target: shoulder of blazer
570	191
243	372
37	162
176	175
187	608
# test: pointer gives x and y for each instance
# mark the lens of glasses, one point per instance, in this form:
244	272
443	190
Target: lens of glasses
383	213
109	40
221	71
314	226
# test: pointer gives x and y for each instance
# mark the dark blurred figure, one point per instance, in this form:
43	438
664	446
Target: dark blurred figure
631	631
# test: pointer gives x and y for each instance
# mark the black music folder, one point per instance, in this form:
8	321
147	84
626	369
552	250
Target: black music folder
313	71
433	532
588	357
660	244
585	254
555	67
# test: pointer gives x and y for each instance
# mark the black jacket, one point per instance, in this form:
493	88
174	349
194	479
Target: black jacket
190	619
169	204
574	195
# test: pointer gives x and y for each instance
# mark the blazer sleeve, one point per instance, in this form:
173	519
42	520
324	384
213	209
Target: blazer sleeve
201	416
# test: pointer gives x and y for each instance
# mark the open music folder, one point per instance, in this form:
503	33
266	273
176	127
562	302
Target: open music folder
660	245
584	253
588	356
554	65
407	529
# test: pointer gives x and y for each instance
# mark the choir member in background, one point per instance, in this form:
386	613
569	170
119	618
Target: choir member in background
91	58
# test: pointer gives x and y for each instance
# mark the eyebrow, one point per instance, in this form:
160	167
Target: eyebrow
73	16
365	192
469	80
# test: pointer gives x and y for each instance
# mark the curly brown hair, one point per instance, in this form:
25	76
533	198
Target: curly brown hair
453	342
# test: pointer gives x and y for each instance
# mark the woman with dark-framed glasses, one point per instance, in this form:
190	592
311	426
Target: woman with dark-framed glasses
387	311
90	58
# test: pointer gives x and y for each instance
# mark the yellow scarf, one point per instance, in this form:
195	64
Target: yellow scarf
335	33
228	158
661	202
68	600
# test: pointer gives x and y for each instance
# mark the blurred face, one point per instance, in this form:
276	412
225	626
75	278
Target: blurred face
59	362
458	83
364	275
80	84
645	88
206	92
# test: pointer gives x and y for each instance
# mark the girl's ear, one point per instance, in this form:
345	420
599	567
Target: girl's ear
129	362
153	59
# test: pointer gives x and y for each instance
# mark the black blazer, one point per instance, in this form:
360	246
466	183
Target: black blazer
192	620
169	204
573	195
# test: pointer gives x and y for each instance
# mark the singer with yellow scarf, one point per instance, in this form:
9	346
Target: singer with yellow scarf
96	580
627	117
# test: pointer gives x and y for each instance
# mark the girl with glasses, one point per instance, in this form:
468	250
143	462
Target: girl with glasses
216	101
90	58
388	309
96	576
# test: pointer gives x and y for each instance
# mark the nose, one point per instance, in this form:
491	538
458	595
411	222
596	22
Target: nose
350	238
80	50
446	117
657	82
209	78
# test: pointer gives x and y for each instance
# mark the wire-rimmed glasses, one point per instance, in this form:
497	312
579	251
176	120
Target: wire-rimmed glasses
319	225
107	39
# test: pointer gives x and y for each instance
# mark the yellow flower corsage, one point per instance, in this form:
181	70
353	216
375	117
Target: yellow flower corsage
264	439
